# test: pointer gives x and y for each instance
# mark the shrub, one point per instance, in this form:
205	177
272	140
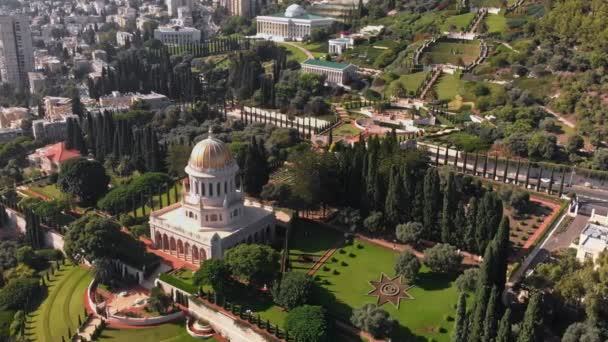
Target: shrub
293	290
407	265
442	258
307	323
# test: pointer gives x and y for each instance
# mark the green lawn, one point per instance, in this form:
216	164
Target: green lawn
50	191
497	23
317	49
408	82
345	284
456	52
60	310
346	130
309	239
449	86
459	22
172	332
293	53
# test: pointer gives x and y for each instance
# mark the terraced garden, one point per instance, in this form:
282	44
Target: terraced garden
60	310
172	332
455	52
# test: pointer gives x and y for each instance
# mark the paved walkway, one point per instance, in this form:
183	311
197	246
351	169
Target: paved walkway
305	51
559	117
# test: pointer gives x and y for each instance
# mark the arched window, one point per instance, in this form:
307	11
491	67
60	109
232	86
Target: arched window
203	188
210	189
219	189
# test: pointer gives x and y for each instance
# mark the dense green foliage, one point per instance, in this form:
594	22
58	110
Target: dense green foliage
136	193
307	324
292	290
252	262
85	179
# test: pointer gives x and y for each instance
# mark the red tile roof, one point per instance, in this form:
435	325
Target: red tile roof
58	153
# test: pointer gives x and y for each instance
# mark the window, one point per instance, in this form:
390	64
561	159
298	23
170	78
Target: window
221	217
219	189
213	218
236	213
202	188
210	189
225	187
206	218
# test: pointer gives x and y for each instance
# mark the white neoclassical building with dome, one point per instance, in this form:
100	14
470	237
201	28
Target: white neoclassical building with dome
213	215
294	24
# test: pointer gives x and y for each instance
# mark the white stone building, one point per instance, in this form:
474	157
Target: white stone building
294	24
213	214
337	46
592	241
177	35
336	73
594	238
123	37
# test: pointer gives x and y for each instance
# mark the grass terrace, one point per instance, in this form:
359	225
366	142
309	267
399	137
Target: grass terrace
451	51
51	191
345	283
408	82
458	22
346	129
60	310
171	332
497	23
318	49
293	53
308	242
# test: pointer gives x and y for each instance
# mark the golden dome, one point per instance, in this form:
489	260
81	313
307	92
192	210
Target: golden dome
210	153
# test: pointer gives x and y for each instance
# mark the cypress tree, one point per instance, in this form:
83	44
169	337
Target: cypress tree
478	314
460	324
492	310
394	197
449	210
432	195
531	327
501	241
460	226
469	235
504	328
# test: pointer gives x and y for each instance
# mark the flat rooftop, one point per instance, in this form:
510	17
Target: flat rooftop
177	218
326	64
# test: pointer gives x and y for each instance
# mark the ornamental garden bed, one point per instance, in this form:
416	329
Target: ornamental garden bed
345	283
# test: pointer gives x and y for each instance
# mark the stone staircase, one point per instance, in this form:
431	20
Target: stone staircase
429	84
478	19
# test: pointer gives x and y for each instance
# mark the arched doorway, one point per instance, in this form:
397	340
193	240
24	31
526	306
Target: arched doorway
180	247
158	240
165	242
194	253
172	246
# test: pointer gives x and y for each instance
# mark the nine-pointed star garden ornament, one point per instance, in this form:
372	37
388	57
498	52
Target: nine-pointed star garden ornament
390	290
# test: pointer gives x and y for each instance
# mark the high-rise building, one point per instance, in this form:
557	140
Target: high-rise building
16	52
243	8
173	5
